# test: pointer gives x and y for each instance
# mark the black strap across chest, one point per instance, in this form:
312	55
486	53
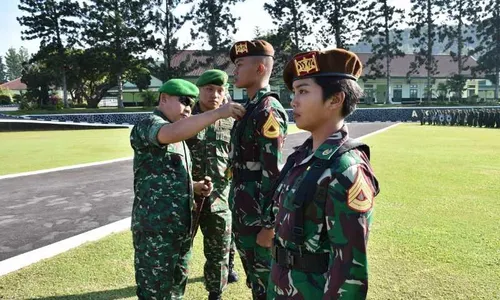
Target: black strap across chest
309	189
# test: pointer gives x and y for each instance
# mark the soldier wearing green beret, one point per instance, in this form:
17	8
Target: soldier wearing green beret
164	190
210	156
325	193
256	149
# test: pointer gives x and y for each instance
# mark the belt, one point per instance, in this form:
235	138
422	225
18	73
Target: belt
246	175
305	262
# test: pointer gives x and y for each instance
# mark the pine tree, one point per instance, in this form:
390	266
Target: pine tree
462	18
55	23
3	74
292	20
341	18
121	28
214	24
423	15
381	28
13	64
168	25
489	47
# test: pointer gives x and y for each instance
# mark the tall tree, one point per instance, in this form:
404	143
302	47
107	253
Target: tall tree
3	74
23	55
214	23
381	28
14	62
292	20
168	24
341	20
462	18
120	28
489	47
56	23
424	14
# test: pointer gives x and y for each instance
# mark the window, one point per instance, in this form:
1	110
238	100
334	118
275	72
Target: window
245	95
413	91
397	93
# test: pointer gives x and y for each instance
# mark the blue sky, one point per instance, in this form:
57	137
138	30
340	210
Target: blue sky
251	12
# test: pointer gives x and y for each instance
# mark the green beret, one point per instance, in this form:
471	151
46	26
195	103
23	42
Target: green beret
179	87
217	77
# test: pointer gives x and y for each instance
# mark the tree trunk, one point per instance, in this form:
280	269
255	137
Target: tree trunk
459	52
497	47
338	37
496	82
388	99
429	49
93	102
119	97
65	88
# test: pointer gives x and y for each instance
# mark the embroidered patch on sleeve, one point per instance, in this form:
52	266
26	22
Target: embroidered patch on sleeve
271	128
360	195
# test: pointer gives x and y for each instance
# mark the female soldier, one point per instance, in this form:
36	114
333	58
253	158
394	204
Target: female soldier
325	193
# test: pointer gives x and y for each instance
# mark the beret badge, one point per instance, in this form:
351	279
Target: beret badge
241	48
306	64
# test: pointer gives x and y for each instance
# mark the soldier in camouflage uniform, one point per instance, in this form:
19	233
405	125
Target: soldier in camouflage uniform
326	190
164	189
210	154
256	149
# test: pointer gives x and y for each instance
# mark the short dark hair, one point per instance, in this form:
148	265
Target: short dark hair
331	85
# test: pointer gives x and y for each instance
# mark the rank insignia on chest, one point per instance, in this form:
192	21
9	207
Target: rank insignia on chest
241	48
306	64
271	128
360	195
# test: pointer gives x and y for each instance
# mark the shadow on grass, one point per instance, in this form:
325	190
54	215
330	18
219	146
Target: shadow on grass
104	295
196	279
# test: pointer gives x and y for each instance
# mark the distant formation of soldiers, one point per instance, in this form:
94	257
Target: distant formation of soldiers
488	118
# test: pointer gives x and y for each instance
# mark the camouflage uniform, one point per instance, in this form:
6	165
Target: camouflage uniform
210	154
256	149
161	213
337	230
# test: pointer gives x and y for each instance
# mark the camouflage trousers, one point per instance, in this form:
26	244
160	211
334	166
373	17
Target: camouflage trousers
256	260
216	229
290	284
161	264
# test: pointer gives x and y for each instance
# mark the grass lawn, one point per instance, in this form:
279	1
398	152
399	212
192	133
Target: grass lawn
435	232
37	150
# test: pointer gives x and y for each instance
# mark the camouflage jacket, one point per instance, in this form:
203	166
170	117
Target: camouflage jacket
210	155
256	149
162	182
341	226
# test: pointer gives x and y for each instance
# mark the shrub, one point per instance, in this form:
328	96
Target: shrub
149	98
5	99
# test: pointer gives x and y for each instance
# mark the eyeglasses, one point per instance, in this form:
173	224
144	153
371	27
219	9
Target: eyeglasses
187	101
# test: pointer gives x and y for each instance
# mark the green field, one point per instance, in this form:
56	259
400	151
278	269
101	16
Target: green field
434	236
37	150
